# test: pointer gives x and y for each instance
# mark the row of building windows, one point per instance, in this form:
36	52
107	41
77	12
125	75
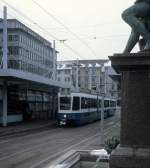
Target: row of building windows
24	66
66	79
20	101
27	67
34	44
36	58
13	37
30	95
14	50
66	71
94	80
14	24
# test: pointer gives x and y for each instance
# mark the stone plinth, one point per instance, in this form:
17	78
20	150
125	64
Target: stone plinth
134	149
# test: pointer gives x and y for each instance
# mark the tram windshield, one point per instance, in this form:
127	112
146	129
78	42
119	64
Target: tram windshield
65	103
76	103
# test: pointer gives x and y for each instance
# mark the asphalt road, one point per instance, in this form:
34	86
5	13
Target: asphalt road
36	149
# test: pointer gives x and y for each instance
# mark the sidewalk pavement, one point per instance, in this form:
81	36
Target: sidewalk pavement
25	127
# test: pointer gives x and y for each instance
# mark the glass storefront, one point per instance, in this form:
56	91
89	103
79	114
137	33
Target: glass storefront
14	104
31	104
1	102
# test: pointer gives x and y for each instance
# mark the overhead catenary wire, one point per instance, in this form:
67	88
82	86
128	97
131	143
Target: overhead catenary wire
83	27
41	28
62	24
99	37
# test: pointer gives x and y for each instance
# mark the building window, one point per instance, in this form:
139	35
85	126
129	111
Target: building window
31	95
13	64
13	37
93	79
38	96
65	79
46	97
13	50
67	71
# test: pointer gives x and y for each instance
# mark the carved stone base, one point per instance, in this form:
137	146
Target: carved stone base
134	150
124	157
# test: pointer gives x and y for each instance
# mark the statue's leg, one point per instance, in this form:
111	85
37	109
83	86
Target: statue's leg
133	39
131	16
147	46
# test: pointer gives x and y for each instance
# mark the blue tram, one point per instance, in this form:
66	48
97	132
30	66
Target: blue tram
82	108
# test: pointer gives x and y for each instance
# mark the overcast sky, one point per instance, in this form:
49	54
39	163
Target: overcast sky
93	29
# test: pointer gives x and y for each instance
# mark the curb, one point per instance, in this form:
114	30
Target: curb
15	132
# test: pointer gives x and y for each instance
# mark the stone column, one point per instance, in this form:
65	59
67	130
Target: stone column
134	149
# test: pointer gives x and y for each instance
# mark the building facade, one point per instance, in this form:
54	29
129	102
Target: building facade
87	76
28	51
28	90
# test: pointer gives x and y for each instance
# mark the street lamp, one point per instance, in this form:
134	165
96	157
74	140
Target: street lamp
102	104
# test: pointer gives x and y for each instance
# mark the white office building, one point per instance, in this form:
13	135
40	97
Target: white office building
28	89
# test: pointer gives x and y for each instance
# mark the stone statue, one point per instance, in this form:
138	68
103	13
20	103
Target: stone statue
138	17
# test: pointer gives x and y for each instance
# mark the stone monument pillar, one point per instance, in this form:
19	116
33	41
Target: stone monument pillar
134	149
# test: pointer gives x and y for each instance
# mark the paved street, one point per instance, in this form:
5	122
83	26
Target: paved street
39	148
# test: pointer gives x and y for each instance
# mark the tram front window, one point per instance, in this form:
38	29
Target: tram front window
65	103
76	103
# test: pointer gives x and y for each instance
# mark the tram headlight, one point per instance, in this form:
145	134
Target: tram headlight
65	115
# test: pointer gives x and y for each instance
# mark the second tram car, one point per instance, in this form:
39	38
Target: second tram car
82	108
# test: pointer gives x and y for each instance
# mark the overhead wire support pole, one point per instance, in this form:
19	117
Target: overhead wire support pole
54	60
77	74
102	105
5	39
4	58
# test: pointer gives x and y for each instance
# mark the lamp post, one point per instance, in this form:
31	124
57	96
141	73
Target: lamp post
102	104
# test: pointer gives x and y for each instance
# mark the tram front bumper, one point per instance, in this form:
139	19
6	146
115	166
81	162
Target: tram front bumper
63	122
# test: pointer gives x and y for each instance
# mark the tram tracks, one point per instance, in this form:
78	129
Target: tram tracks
49	141
11	138
88	141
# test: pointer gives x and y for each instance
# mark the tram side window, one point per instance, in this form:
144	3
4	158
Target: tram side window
89	103
112	103
84	103
93	103
65	103
100	103
115	103
76	103
118	103
106	103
